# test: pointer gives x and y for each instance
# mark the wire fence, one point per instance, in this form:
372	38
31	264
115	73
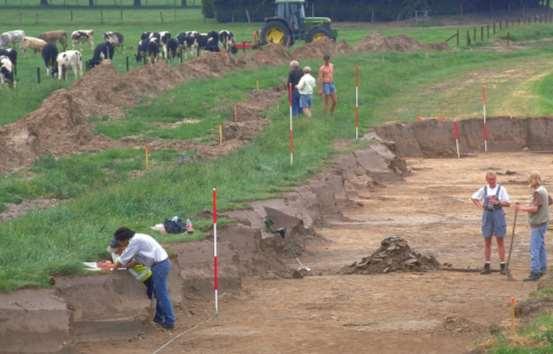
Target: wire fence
83	4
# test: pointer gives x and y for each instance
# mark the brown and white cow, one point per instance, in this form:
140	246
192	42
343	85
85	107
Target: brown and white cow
36	44
82	36
55	36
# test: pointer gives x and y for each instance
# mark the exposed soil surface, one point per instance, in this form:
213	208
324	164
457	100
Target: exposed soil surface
14	210
433	312
60	125
375	42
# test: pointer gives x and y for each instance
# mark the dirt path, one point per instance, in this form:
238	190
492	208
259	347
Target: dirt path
438	312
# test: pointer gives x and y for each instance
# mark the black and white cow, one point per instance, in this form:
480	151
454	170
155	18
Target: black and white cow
10	53
70	59
226	38
6	71
49	55
11	37
102	51
172	48
188	43
154	49
209	41
115	38
82	36
142	50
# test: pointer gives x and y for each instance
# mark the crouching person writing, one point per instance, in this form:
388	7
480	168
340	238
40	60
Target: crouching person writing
140	272
144	249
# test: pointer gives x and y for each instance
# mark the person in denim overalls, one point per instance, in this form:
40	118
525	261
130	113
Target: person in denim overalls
492	198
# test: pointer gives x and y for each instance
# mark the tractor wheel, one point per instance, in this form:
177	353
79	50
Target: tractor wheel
276	32
318	33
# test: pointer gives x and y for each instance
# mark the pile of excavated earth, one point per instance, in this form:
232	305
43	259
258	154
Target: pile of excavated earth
394	255
60	125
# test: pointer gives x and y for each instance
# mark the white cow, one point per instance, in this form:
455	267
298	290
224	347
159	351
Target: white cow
11	37
67	59
36	44
81	36
6	71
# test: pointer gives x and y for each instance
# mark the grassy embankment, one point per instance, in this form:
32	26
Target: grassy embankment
58	239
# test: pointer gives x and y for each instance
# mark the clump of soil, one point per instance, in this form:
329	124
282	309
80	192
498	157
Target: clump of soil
394	255
318	49
271	54
376	42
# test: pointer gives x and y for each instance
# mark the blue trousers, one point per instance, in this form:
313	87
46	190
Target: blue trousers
296	110
164	308
538	253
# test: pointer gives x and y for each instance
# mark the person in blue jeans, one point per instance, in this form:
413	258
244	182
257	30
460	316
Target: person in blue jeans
144	249
538	218
294	77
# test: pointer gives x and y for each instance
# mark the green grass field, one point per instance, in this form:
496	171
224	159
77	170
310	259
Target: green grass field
107	189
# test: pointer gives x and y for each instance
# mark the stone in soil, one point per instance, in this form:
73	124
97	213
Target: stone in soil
394	255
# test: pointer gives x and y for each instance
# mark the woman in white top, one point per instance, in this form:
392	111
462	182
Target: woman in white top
305	87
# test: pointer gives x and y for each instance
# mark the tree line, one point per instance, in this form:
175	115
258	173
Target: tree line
365	10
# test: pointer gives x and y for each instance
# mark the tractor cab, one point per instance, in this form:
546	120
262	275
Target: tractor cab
290	24
293	11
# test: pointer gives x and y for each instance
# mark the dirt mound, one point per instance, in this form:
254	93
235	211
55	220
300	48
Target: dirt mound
271	54
376	42
321	47
394	255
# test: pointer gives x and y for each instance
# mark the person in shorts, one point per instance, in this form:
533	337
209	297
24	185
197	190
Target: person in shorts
328	88
492	198
305	87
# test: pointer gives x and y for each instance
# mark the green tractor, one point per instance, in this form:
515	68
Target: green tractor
290	24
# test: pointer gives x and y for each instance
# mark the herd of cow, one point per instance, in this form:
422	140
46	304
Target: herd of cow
151	47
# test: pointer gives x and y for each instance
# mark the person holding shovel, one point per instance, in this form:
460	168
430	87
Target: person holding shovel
538	218
492	198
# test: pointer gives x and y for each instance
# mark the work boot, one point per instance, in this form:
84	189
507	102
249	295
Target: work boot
502	268
532	277
487	269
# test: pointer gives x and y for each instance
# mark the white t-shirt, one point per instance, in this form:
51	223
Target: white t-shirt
502	197
144	249
306	85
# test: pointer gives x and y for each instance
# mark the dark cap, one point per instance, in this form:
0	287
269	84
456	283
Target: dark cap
114	243
123	234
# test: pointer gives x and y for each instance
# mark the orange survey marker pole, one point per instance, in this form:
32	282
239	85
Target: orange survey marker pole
220	134
146	157
291	147
357	84
456	133
485	133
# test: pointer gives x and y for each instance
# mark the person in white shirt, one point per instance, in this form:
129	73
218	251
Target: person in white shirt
144	249
491	199
305	87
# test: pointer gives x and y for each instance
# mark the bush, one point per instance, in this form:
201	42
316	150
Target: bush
208	9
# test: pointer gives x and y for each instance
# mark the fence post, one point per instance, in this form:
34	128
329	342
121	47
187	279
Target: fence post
127	63
121	14
102	16
71	15
482	33
494	28
38	75
161	16
458	39
468	38
488	31
474	35
500	25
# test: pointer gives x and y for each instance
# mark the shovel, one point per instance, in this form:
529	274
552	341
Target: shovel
507	266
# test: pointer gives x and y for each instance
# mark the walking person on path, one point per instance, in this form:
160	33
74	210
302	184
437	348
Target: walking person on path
144	249
538	218
305	87
328	88
294	77
491	199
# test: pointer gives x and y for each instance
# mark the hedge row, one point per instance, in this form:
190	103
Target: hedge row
362	10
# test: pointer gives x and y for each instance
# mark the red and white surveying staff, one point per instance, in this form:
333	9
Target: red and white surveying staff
485	132
357	84
456	133
215	257
291	136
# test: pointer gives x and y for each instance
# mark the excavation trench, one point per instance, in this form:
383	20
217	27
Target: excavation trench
112	307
